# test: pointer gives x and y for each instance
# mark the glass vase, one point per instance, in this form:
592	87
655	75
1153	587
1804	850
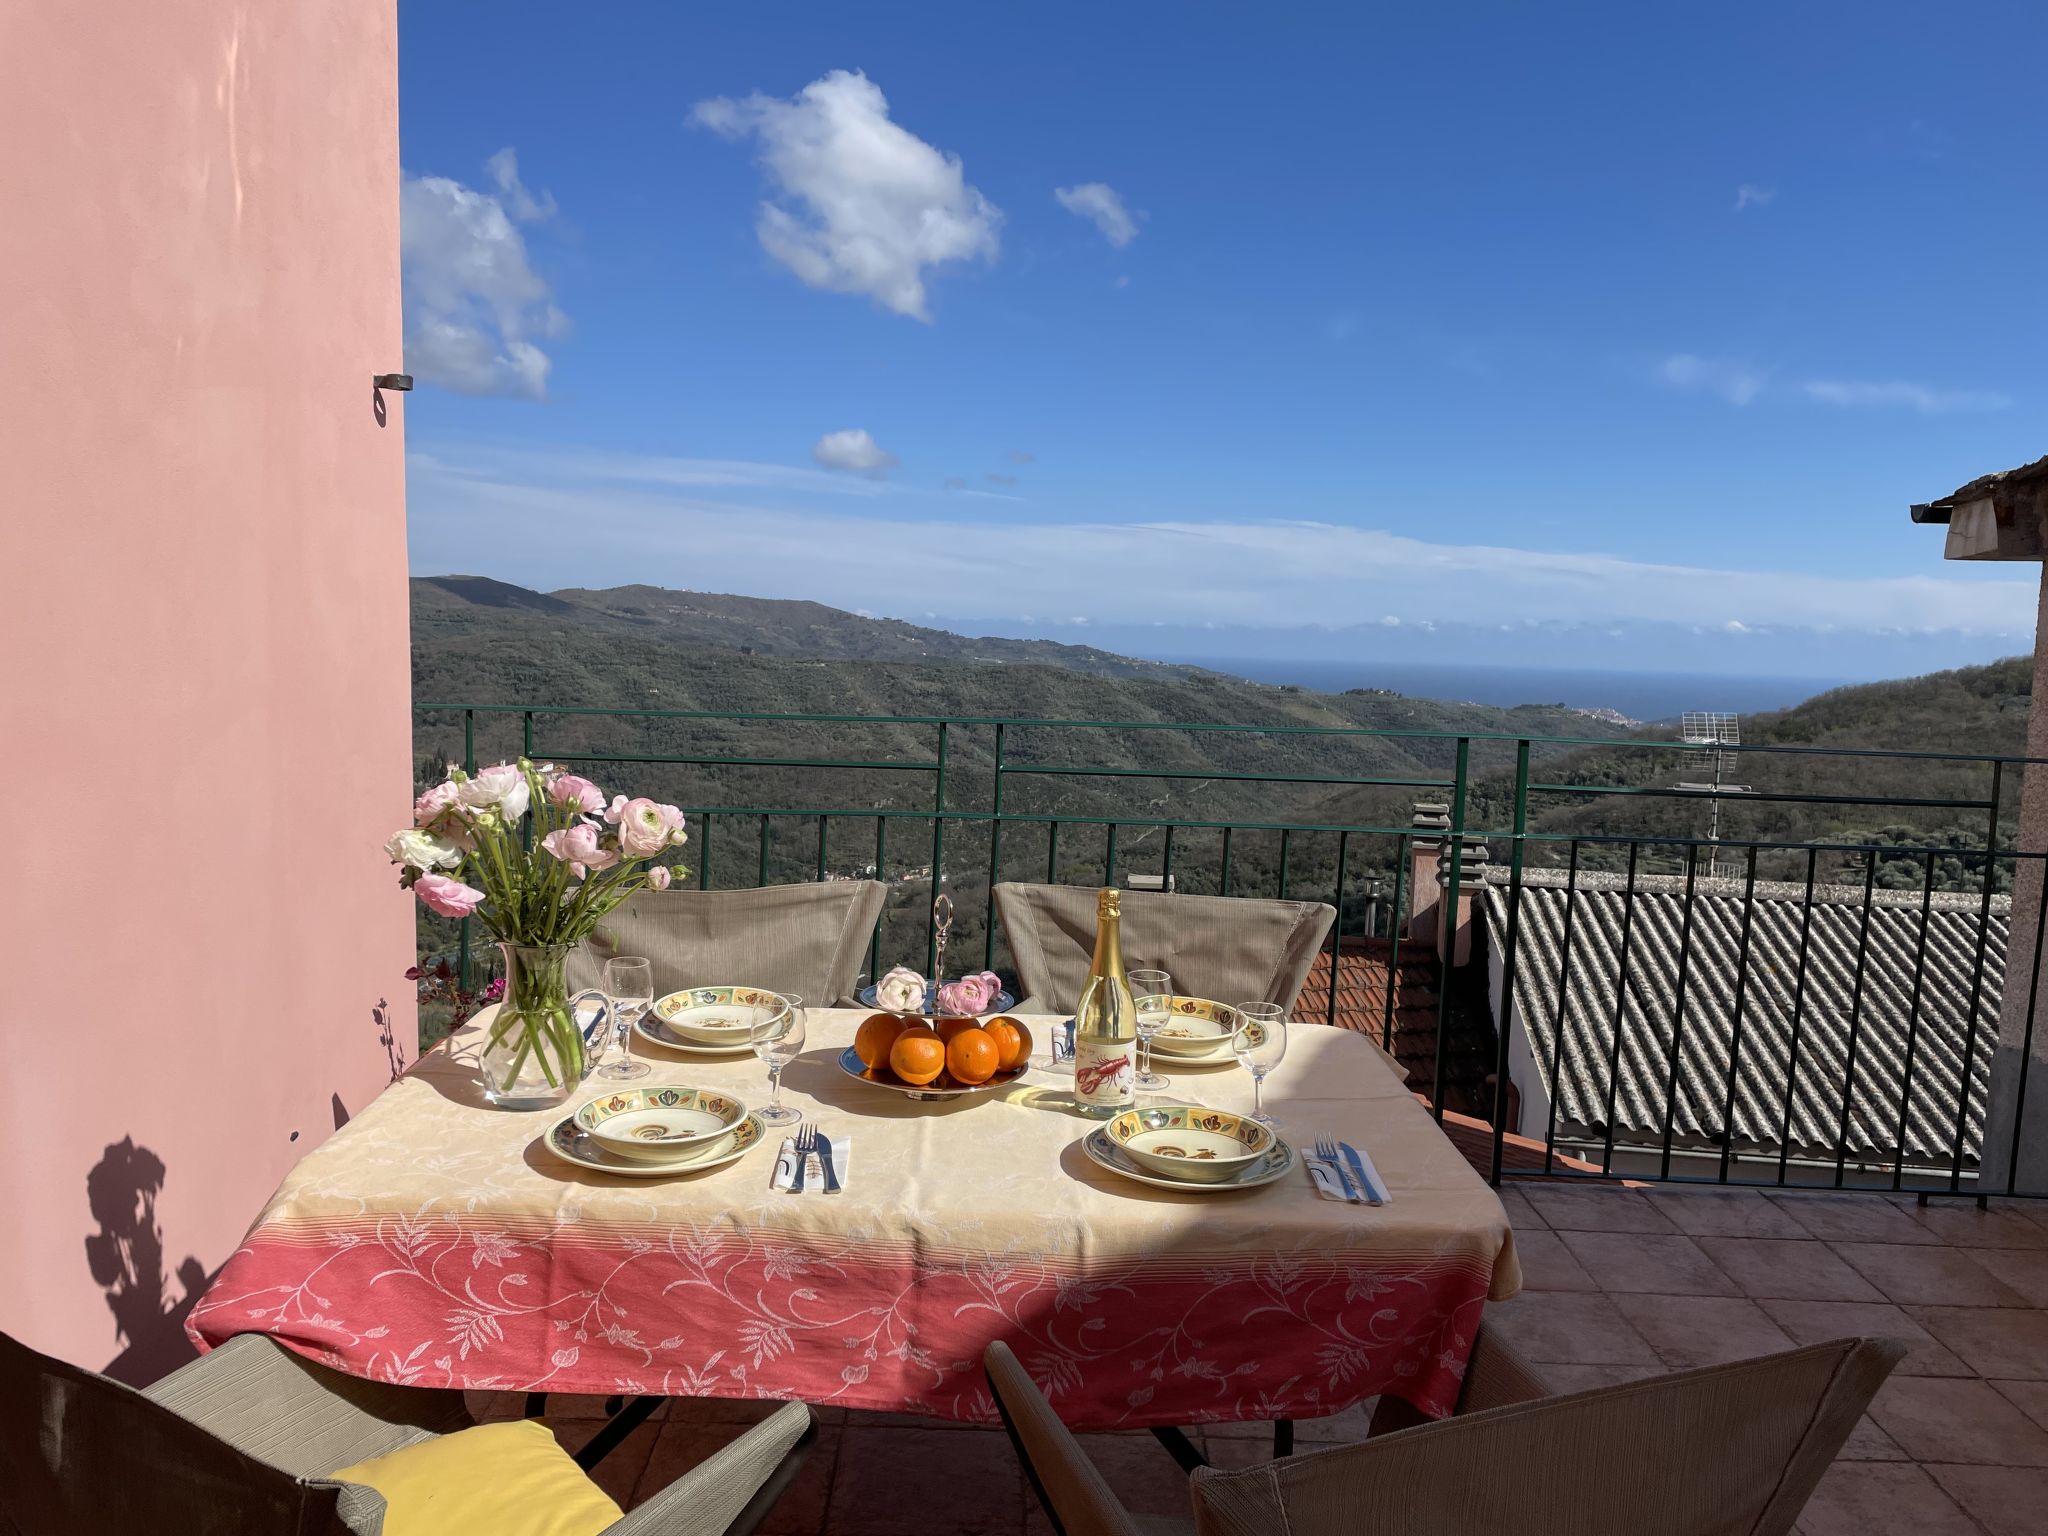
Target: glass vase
532	1057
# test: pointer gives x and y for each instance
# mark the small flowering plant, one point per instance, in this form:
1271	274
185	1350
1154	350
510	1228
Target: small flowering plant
538	889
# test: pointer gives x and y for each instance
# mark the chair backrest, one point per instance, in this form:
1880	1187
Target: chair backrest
806	939
1729	1450
81	1455
1230	949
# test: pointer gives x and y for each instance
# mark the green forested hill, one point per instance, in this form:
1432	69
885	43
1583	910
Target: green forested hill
1971	710
479	641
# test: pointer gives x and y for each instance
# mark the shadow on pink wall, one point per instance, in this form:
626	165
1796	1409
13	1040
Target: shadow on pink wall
126	1257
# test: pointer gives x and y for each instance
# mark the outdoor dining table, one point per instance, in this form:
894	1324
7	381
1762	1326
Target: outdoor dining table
436	1241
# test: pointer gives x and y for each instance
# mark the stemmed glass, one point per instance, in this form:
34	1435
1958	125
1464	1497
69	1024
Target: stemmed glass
776	1040
1154	992
1259	1041
629	983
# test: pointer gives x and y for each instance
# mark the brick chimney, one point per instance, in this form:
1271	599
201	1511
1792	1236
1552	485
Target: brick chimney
1432	821
1471	877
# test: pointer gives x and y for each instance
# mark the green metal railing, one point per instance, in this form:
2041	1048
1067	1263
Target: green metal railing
1492	807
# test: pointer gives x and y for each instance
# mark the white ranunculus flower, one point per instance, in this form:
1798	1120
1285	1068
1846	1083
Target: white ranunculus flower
503	786
422	850
901	991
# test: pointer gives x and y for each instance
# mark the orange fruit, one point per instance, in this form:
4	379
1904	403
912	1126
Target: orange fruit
876	1037
1013	1041
949	1028
972	1056
918	1056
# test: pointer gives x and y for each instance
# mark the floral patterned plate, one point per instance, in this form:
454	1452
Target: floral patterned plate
1189	1143
1106	1153
666	1124
572	1144
1195	1027
720	1016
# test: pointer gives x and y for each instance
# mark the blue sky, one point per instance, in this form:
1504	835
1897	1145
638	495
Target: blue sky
1591	335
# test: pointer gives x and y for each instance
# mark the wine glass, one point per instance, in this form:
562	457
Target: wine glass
1154	993
776	1040
1259	1041
629	983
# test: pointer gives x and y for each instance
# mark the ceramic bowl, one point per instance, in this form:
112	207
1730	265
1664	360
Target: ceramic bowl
663	1125
1190	1143
722	1016
1194	1027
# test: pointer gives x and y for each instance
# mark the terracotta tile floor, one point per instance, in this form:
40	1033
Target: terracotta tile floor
1620	1284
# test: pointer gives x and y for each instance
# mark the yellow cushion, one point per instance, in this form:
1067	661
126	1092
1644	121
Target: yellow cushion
509	1479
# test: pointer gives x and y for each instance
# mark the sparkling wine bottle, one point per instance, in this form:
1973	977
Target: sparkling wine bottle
1106	1022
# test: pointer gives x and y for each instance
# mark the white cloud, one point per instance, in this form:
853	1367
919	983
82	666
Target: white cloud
1256	574
1750	195
1098	202
853	450
1019	456
1737	383
473	303
1914	397
865	206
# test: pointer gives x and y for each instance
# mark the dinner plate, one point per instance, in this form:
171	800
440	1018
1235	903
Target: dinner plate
1105	1153
944	1086
1003	1003
652	1029
572	1144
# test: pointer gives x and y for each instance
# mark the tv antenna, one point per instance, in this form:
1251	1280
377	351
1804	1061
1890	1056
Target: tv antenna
1707	734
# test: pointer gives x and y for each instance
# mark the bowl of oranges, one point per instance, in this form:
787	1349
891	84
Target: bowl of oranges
938	1058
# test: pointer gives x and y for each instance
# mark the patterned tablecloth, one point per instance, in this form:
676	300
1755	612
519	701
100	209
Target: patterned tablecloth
433	1240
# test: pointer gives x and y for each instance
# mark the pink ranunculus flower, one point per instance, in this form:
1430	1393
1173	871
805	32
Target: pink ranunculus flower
581	847
645	827
970	994
450	898
420	849
616	809
434	804
502	785
572	790
901	991
658	878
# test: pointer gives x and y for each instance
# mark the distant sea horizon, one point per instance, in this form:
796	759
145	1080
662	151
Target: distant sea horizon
1645	696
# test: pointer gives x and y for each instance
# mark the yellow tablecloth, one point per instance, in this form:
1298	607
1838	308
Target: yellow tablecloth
436	1240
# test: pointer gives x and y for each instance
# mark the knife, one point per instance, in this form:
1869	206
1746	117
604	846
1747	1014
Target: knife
1375	1189
825	1160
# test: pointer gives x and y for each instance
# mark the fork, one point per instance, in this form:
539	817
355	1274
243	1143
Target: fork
1326	1151
807	1148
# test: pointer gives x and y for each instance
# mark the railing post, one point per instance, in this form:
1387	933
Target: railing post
1856	1018
1508	947
1621	984
704	864
1913	1019
1735	1023
1052	853
1564	992
1109	857
1337	930
1166	860
881	874
1223	882
1969	1061
1447	920
1692	870
1286	848
822	820
468	766
995	858
1798	1017
1394	947
931	926
761	868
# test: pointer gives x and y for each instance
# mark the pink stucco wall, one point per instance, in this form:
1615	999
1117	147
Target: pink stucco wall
203	648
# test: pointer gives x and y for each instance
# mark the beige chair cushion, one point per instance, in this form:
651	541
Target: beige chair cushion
806	939
1731	1450
1231	949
